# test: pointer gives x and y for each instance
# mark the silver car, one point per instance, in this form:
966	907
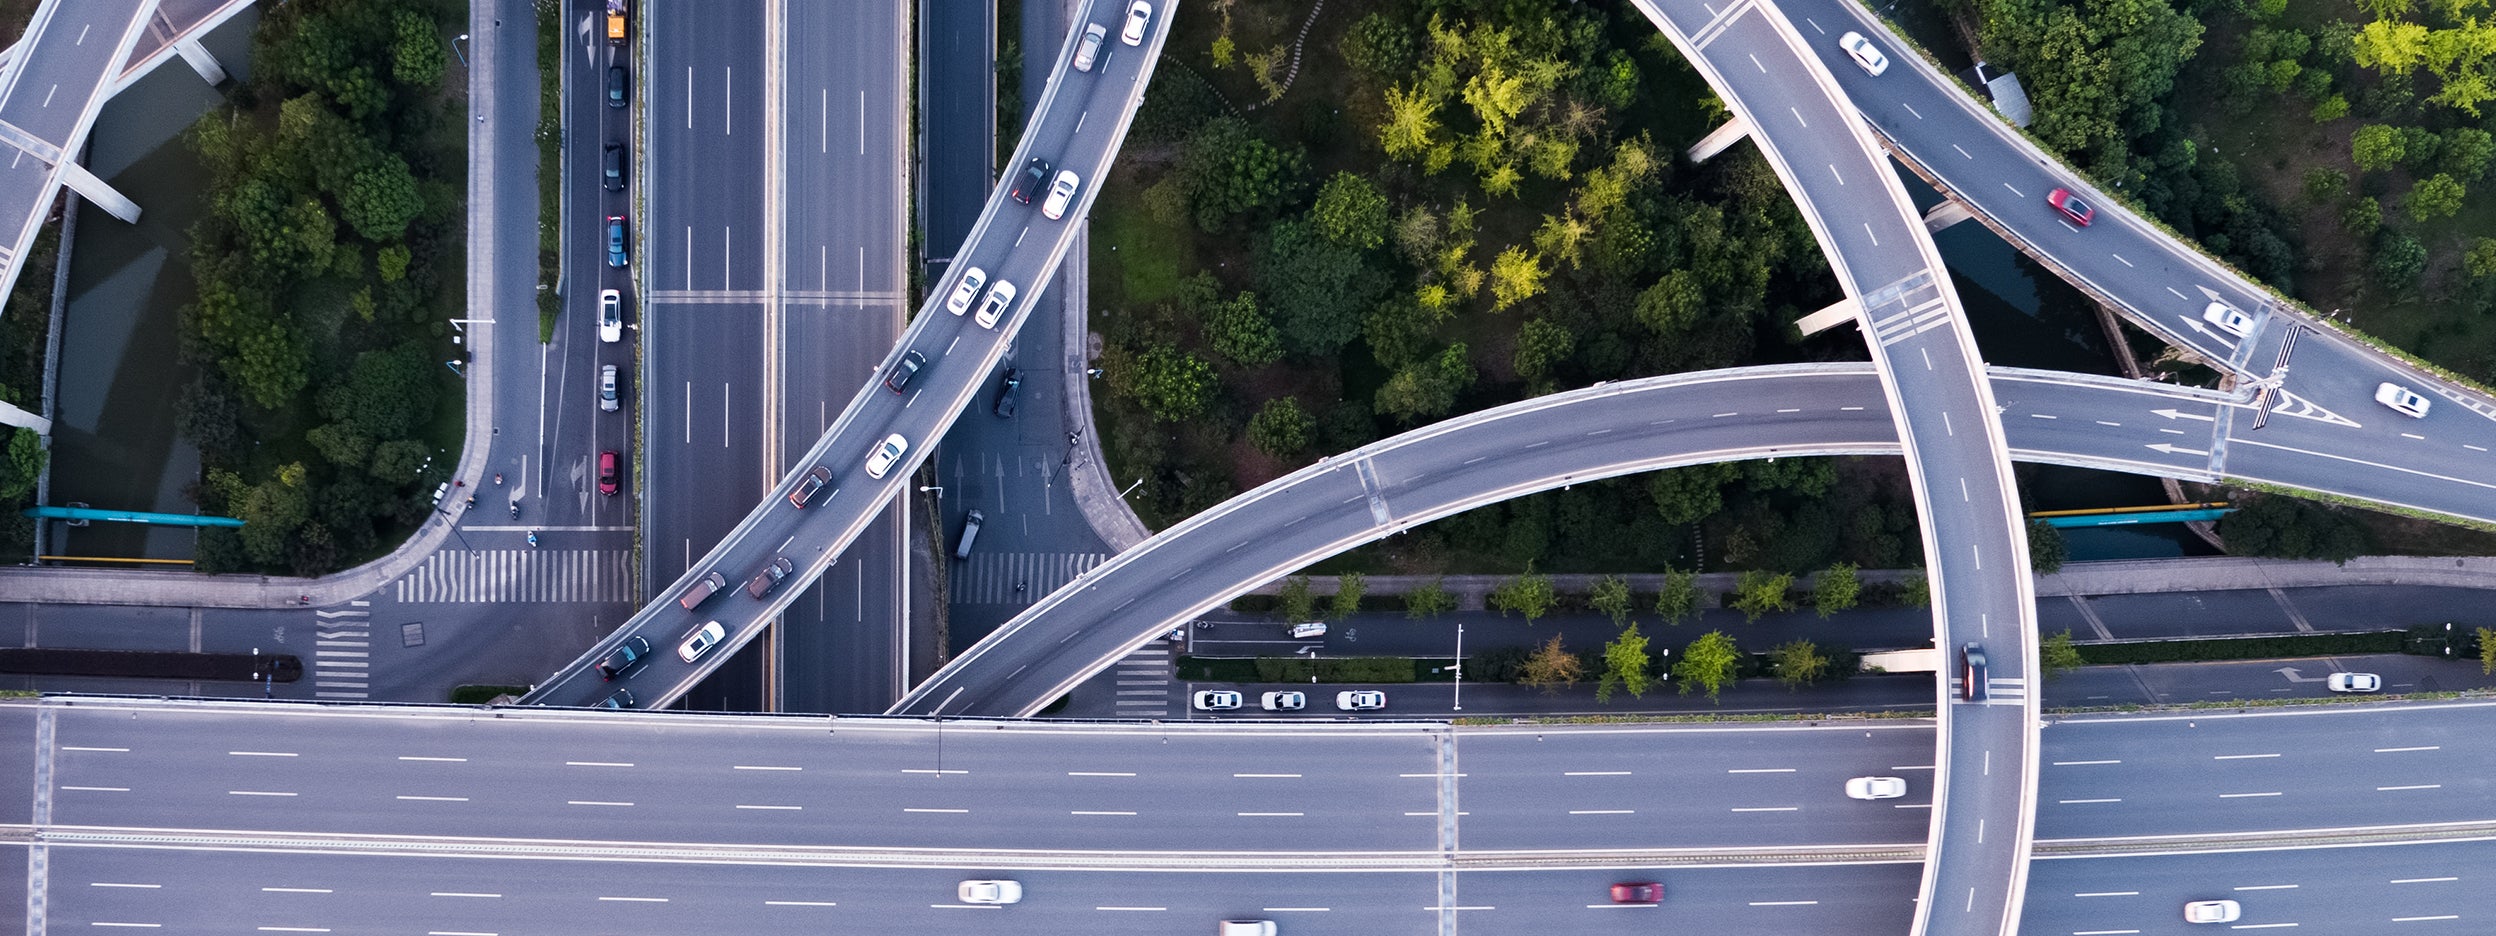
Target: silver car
965	290
1061	194
1089	48
1000	298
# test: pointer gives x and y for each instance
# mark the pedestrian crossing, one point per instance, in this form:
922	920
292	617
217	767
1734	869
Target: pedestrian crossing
1143	681
519	575
990	578
342	665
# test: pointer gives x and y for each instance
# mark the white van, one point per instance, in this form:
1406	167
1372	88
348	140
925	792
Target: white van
970	534
1309	629
1246	928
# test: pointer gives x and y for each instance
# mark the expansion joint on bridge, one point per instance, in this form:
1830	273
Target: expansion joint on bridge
1377	495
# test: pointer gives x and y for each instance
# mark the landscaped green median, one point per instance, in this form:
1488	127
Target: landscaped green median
2243	648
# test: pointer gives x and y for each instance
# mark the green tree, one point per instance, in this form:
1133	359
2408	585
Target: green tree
2363	217
2058	655
1552	668
1625	665
27	457
1529	594
2399	260
1296	602
2487	651
2376	146
1280	428
1515	277
382	200
1708	663
1429	600
1611	596
1240	331
2046	549
2329	109
398	461
1319	292
2436	196
1170	384
1838	589
1349	587
1542	343
1233	174
1427	389
2467	153
2324	183
1798	663
2287	528
1351	211
2097	71
1411	132
2480	260
1758	592
1673	305
1380	46
1916	590
1680	597
1691	494
416	58
387	394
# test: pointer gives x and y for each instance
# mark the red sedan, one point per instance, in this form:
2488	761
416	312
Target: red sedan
1638	892
2071	206
607	473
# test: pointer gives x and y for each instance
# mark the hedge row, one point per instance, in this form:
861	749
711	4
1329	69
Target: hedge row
2244	648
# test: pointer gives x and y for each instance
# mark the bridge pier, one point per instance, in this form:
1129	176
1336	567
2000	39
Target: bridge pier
201	60
93	189
1943	215
1715	142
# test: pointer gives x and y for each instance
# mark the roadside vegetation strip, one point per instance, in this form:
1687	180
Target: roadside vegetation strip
2286	647
549	166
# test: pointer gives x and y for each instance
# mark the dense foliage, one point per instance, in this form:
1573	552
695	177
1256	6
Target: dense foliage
332	196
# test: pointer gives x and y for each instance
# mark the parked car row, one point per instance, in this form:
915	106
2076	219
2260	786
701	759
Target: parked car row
1349	700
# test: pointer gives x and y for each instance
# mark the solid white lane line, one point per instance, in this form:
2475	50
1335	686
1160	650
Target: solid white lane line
160	886
1759	770
2083	763
297	890
1101	812
442	760
1273	814
1099	773
799	903
1267	776
2415	786
2255	887
751	806
2241	756
592	763
1134	909
2108	894
915	809
1594	773
261	754
585	802
256	793
2245	795
1602	812
2111	799
760	767
436	799
2432	880
109	750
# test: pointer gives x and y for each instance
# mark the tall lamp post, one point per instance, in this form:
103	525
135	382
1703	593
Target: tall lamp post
1460	667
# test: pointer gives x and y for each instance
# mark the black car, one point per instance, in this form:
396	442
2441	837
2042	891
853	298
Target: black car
911	361
615	167
1007	388
1972	672
622	699
769	578
1034	178
615	86
627	657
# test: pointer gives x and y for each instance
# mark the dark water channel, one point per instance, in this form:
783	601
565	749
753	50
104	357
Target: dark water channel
114	444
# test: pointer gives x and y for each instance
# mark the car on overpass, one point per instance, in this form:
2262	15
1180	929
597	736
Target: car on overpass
2213	911
966	290
1875	788
886	454
805	490
1139	18
1864	53
2228	318
2077	211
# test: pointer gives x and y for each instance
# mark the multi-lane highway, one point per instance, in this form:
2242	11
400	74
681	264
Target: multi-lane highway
325	816
1077	128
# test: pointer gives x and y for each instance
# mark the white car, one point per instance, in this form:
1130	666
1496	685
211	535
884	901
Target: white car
2402	400
1000	298
1864	53
2212	911
1139	15
886	454
1216	700
1284	701
965	290
1872	788
1061	194
990	892
2228	319
1360	700
2354	682
607	401
610	316
700	641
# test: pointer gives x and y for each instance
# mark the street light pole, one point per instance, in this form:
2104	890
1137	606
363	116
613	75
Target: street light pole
1460	667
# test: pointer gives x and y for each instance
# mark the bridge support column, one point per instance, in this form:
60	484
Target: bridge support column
1733	131
1838	313
93	189
10	415
201	61
1943	215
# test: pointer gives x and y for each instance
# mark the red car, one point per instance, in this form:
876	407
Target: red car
1638	892
606	473
2071	206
